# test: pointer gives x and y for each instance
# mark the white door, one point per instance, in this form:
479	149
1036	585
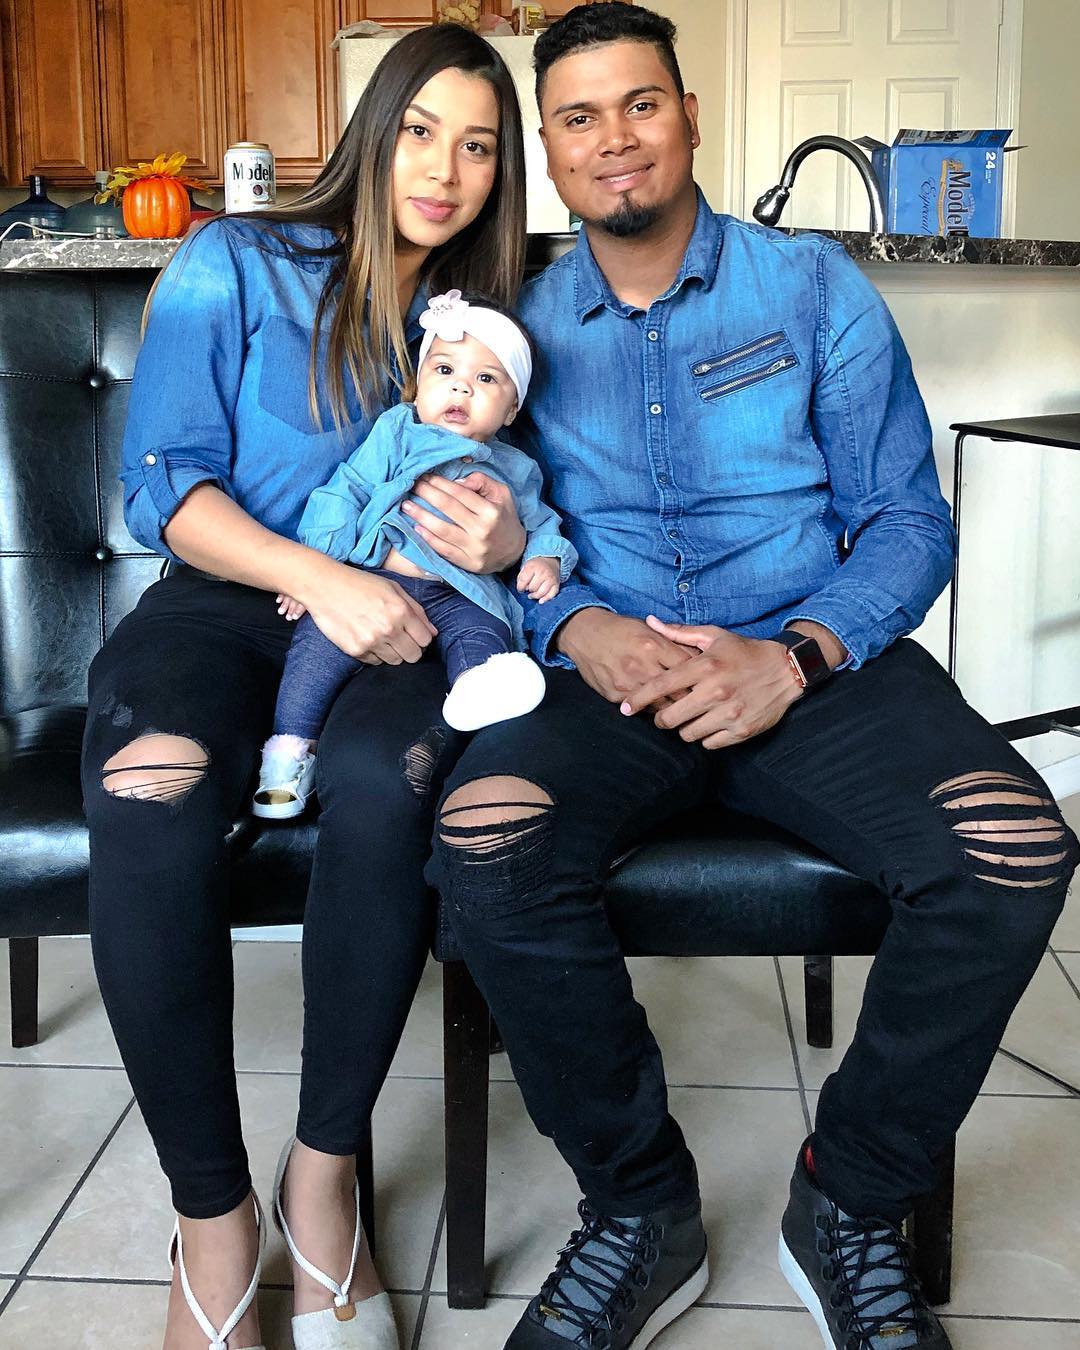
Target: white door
863	67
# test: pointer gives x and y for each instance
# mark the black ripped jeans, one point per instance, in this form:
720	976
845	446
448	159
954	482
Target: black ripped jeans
202	659
886	769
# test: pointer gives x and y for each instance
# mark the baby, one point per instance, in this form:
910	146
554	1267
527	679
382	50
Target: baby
473	372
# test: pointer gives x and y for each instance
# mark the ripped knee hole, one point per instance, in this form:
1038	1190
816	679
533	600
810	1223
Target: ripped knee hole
1011	832
156	767
501	825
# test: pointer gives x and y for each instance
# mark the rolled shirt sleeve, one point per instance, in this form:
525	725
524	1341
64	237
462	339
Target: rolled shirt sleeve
179	430
870	424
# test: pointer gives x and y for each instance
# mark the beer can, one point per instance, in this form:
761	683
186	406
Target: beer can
249	176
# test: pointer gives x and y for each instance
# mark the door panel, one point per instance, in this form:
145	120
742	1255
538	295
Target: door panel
164	86
53	90
852	69
281	81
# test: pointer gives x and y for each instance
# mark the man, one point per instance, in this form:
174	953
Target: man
729	426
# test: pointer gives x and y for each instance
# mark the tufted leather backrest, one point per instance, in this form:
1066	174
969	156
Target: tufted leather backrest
69	570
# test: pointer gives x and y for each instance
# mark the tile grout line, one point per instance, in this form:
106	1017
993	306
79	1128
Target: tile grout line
791	1043
66	1205
1064	970
425	1296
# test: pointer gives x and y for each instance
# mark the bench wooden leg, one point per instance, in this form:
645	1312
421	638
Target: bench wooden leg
365	1175
466	1051
818	987
23	970
931	1229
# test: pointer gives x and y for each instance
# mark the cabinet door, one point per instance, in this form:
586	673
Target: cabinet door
393	13
52	74
164	82
281	80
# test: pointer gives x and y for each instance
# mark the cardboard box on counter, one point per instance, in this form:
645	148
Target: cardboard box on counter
941	182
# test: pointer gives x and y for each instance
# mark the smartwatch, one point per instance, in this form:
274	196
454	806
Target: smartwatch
805	658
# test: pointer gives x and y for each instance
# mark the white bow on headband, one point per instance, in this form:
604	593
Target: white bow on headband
449	317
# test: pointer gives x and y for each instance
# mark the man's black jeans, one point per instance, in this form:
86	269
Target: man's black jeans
887	770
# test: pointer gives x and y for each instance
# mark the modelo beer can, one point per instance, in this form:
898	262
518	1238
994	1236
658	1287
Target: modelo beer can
249	176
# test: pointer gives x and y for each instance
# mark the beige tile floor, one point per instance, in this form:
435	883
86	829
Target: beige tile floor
84	1215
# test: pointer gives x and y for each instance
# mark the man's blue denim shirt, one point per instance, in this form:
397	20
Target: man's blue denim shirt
751	450
220	392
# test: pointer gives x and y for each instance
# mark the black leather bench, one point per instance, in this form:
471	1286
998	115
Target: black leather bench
69	571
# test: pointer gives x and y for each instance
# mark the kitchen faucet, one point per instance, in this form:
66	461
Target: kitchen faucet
769	205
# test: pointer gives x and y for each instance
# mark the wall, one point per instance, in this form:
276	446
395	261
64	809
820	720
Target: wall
1048	195
700	49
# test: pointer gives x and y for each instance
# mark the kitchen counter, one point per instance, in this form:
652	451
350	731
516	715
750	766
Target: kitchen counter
22	255
70	254
920	248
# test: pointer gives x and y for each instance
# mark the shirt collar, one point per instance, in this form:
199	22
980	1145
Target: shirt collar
702	257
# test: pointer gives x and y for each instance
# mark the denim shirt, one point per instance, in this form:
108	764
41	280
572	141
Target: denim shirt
220	391
749	451
357	516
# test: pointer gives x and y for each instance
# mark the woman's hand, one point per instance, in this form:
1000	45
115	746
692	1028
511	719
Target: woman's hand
370	618
482	532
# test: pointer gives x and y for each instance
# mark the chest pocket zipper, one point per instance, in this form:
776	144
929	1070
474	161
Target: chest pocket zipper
751	377
729	358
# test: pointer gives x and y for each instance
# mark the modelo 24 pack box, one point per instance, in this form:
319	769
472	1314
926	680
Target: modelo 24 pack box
941	182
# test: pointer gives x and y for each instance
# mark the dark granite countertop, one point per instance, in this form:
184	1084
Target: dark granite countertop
920	248
78	254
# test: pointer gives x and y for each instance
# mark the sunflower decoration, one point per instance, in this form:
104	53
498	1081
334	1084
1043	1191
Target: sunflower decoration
153	196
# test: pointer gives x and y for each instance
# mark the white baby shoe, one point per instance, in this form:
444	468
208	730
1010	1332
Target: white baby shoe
286	778
507	685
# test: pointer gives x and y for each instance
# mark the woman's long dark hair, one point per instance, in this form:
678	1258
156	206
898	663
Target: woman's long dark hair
353	196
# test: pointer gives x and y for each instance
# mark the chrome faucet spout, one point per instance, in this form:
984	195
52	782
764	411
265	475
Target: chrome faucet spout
770	204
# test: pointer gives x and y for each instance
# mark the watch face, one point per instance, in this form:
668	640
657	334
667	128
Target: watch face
812	663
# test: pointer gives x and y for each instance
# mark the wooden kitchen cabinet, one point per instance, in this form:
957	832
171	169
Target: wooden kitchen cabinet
164	82
281	80
52	82
393	13
90	84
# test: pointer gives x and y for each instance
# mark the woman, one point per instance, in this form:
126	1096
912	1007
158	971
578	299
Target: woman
272	344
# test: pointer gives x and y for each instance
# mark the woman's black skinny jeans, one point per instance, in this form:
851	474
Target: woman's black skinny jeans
201	659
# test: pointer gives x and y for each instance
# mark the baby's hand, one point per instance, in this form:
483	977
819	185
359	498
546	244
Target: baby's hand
540	578
289	608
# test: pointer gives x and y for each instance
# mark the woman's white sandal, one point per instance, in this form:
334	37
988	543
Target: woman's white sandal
367	1325
217	1339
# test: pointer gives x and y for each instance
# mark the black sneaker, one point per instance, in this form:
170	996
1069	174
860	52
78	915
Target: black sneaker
854	1276
618	1282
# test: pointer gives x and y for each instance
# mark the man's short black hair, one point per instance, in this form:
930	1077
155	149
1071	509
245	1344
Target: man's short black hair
591	25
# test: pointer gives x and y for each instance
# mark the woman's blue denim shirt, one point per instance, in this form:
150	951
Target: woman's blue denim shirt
220	392
357	516
750	450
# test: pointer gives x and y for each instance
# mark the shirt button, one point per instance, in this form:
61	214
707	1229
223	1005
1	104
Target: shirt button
663	479
684	586
466	459
150	459
653	335
655	409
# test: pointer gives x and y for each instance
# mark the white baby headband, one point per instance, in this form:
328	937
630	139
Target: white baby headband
450	318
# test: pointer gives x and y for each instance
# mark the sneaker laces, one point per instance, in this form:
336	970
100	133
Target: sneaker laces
859	1252
598	1273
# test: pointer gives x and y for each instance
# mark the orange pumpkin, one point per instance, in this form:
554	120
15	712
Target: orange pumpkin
156	208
